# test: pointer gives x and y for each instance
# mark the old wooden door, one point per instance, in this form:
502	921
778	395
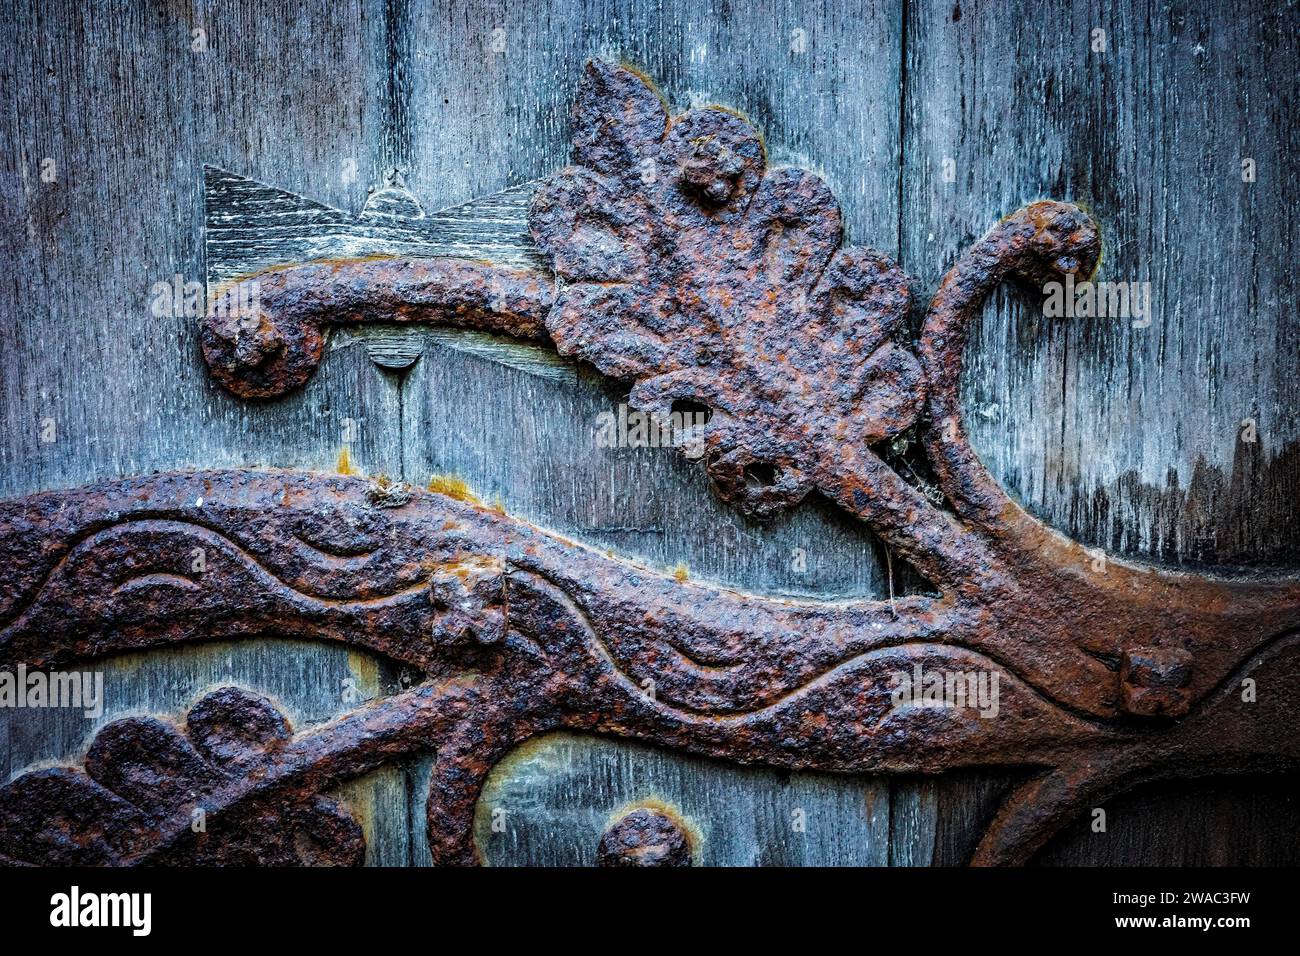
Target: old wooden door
1170	436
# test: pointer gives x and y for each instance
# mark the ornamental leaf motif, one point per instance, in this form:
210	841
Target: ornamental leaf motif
146	783
692	269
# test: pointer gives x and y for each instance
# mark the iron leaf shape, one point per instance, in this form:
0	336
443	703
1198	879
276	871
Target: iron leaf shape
152	794
692	269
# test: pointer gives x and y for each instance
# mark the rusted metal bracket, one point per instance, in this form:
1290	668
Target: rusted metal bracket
684	265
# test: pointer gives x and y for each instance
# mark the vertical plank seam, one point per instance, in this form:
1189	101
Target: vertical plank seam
395	161
891	785
902	124
395	137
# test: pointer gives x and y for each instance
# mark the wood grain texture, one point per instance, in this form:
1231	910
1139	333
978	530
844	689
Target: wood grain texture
1214	822
129	120
549	803
1128	438
129	113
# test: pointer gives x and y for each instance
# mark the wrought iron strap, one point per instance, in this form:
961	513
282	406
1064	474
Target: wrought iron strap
539	633
683	265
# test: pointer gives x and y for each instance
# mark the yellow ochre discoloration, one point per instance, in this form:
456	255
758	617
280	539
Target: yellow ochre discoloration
453	487
344	465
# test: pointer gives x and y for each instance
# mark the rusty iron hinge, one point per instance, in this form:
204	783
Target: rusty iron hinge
681	263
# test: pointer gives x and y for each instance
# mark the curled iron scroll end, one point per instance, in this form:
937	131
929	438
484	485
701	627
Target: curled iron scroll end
255	350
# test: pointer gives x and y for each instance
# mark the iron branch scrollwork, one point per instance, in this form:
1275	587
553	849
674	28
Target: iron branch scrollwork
685	266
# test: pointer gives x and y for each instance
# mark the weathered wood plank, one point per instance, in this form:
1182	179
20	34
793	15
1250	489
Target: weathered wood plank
913	819
128	103
549	803
1215	822
251	226
1128	436
118	389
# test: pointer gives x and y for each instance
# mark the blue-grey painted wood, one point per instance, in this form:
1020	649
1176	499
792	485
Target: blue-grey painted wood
549	803
1086	422
1131	434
